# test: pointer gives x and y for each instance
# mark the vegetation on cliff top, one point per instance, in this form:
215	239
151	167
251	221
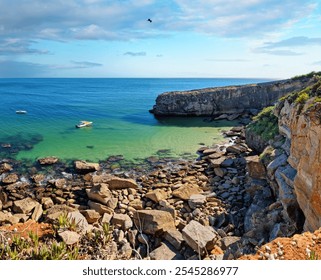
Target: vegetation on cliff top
302	96
309	75
265	124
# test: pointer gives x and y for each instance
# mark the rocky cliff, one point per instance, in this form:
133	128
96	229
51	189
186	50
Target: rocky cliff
293	159
301	125
226	100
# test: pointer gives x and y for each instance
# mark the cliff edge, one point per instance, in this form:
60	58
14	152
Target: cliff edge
226	100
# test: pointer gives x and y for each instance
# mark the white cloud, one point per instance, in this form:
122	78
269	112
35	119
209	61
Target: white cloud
285	47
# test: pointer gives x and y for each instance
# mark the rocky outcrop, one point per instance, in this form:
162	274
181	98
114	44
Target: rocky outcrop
301	125
226	100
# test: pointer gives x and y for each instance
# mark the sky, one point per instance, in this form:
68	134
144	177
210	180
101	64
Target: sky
186	38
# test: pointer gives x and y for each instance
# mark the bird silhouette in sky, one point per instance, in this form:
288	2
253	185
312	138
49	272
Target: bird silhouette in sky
149	20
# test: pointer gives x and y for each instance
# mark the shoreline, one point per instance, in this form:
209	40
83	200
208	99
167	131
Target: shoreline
187	190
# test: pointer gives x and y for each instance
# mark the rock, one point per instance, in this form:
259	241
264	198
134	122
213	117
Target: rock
122	220
136	204
220	171
275	164
217	162
47	202
228	162
37	212
106	218
38	178
10	178
186	191
99	193
236	149
165	252
207	152
86	167
59	183
255	167
25	205
196	201
100	208
91	216
153	221
115	183
4	217
79	220
57	210
233	117
200	238
5	167
48	160
157	195
126	250
228	240
175	238
69	237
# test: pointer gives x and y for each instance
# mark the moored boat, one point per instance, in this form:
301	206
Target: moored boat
84	124
21	112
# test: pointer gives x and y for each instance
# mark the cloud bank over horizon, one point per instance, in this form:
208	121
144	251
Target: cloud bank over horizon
45	29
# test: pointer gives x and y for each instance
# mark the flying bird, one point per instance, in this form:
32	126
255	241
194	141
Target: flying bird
149	20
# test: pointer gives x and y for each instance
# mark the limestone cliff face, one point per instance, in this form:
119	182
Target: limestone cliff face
301	125
221	100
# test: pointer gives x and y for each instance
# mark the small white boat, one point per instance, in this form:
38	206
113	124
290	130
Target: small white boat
84	124
21	112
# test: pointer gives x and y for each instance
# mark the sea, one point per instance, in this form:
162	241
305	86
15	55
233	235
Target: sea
119	109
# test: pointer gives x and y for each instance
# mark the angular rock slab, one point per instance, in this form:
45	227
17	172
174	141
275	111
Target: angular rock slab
48	160
99	193
86	167
122	220
25	205
69	237
255	167
165	252
186	191
100	208
153	221
79	219
200	238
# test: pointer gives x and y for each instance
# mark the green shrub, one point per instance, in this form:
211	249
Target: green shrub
302	98
265	124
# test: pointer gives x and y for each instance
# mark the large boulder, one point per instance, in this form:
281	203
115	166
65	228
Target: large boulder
165	252
115	183
184	192
86	167
200	238
48	160
122	220
10	178
99	193
100	208
25	205
255	167
5	167
153	221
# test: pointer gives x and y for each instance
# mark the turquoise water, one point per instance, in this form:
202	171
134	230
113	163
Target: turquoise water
118	109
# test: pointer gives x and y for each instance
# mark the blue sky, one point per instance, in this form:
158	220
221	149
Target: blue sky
187	38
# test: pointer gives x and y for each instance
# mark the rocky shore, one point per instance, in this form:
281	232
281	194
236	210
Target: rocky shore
178	210
209	208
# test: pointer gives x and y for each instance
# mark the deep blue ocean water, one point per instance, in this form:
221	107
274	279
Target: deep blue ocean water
118	109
